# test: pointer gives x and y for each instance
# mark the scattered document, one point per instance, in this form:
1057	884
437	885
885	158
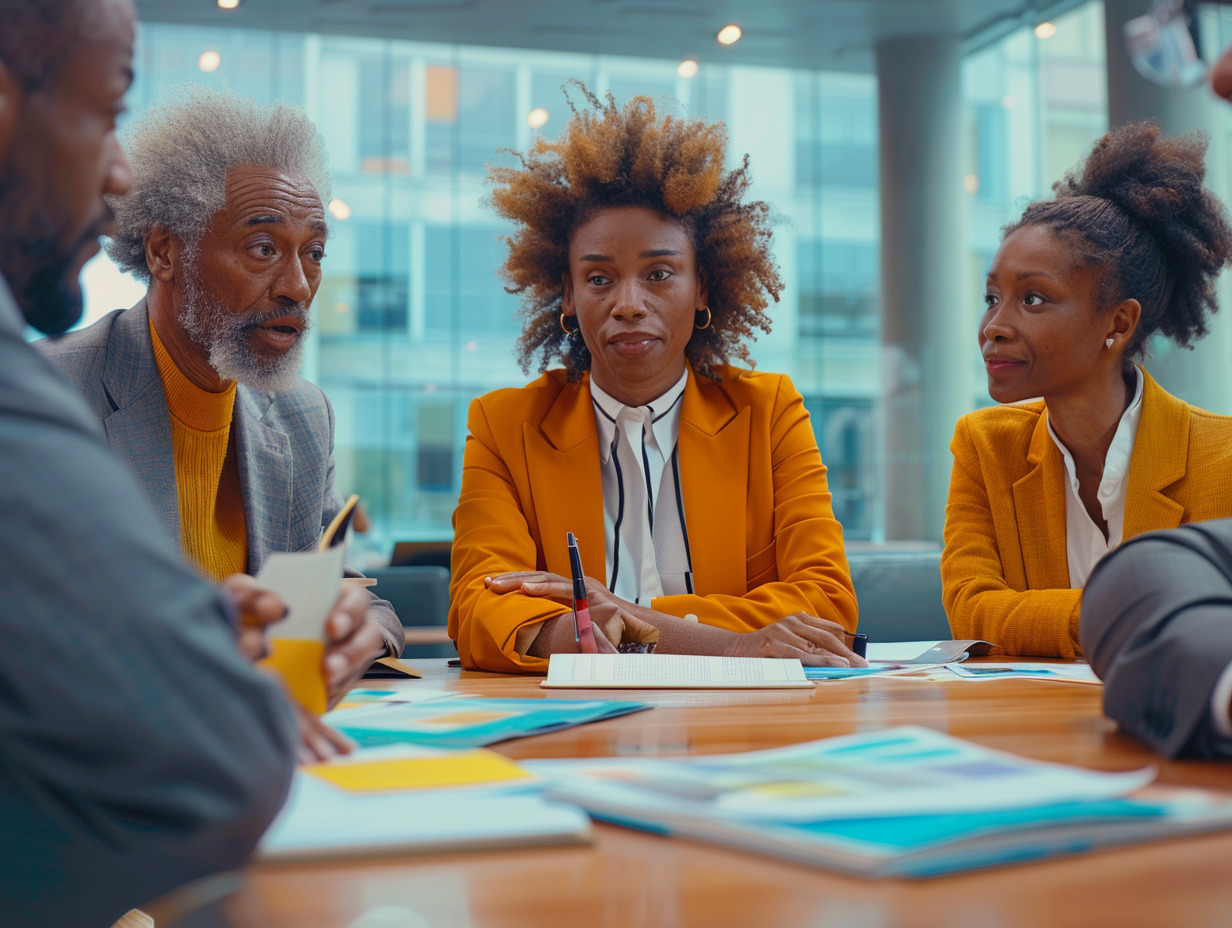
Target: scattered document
363	697
1066	673
856	673
409	768
900	771
465	721
673	671
321	821
902	802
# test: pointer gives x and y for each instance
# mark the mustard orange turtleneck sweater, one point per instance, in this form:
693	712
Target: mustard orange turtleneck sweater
207	475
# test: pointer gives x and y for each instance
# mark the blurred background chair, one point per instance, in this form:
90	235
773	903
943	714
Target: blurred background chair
420	597
420	554
899	592
898	587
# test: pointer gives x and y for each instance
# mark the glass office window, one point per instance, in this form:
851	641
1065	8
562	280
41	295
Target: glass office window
413	321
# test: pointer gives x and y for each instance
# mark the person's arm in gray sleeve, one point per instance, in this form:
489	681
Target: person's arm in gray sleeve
1157	628
138	749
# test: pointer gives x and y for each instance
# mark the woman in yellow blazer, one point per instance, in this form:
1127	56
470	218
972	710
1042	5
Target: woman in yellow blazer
1132	245
643	271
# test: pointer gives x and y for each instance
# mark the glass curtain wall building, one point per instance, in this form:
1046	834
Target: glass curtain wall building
412	321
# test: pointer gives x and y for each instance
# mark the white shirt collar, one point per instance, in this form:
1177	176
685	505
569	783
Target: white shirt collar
1085	543
663	412
1116	461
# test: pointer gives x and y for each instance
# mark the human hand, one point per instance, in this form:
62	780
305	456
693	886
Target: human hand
816	642
613	618
533	583
352	642
258	608
317	741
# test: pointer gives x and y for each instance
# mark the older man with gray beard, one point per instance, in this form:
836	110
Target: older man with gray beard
198	385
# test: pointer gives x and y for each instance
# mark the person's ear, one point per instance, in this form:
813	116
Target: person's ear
11	99
163	249
703	291
1124	319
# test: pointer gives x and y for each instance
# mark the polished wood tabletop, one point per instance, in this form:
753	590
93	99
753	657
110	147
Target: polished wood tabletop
628	878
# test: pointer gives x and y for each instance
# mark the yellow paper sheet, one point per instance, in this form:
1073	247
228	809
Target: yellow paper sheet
299	664
461	768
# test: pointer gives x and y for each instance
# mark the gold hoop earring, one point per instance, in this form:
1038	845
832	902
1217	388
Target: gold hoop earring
564	325
709	318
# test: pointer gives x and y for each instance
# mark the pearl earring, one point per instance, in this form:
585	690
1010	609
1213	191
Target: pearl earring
1108	342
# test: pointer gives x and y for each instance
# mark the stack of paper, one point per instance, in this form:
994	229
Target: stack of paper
906	802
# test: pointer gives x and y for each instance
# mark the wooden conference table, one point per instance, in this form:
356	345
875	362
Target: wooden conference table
628	878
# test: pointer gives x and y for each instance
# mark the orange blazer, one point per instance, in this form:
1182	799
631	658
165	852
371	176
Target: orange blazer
762	533
1004	571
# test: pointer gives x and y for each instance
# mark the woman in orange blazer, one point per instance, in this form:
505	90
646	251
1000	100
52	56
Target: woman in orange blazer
642	272
1132	245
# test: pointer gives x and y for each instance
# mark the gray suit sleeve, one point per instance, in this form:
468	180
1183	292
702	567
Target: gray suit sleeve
1157	628
380	611
138	750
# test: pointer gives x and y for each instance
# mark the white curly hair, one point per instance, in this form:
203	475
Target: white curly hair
181	151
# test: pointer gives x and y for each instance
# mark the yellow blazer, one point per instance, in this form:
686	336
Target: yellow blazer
1004	571
762	533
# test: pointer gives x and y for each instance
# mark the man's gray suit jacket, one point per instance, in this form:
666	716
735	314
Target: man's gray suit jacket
284	442
1157	627
138	749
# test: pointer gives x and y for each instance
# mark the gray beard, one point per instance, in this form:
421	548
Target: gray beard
225	337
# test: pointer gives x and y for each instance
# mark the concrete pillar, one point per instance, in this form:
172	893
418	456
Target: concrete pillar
1202	376
927	352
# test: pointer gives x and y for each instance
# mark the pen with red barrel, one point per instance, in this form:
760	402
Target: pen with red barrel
583	631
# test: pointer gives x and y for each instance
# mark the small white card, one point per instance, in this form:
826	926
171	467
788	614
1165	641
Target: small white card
309	583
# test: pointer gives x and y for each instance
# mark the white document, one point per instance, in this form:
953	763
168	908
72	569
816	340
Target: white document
895	651
309	583
673	671
888	773
321	821
1026	670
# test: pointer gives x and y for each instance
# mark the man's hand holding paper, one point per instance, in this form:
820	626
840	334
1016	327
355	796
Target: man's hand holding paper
352	642
257	608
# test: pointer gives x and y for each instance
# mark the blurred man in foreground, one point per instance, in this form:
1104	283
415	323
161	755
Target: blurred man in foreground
1157	622
139	748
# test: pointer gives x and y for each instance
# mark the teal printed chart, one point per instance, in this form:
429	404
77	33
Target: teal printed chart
900	771
464	722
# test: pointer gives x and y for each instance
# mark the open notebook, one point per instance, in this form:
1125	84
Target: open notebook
672	671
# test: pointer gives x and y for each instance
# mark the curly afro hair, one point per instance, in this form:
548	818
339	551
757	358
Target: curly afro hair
1137	208
608	156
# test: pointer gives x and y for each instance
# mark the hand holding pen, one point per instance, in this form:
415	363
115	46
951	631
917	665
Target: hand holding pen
583	632
613	627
